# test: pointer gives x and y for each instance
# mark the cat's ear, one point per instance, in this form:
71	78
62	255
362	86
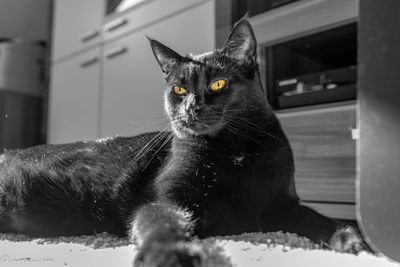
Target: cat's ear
166	57
241	43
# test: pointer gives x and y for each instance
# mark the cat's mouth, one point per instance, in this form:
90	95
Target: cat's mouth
201	127
197	126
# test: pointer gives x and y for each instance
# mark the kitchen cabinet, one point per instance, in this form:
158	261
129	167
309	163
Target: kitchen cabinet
325	156
104	87
147	13
77	26
324	151
74	99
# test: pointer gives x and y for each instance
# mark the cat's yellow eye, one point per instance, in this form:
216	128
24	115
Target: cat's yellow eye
180	90
218	85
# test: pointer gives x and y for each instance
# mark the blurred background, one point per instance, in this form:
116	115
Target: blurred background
83	69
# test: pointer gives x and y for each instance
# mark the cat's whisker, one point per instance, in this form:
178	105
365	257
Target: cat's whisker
153	142
242	133
231	129
150	117
266	134
245	124
240	110
247	119
248	125
237	131
168	138
241	127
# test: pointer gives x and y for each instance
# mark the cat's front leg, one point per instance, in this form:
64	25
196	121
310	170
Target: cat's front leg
163	233
322	230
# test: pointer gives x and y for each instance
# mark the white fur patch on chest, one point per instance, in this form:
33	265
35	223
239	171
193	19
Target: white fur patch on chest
104	140
238	159
2	158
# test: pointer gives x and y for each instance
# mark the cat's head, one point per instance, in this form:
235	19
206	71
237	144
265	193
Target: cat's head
213	91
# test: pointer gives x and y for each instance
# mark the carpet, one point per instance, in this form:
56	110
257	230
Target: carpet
252	249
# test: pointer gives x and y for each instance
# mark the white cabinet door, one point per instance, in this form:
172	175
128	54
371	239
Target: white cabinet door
77	25
132	81
145	14
74	99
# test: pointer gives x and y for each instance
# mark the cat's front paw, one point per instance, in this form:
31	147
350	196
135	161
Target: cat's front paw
348	240
177	254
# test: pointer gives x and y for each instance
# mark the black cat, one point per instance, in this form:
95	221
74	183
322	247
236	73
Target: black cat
226	168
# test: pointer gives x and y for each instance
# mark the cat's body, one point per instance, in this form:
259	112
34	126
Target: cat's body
226	168
215	184
78	188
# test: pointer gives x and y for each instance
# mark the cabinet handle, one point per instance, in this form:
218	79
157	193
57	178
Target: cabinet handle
90	35
89	62
117	24
355	133
116	52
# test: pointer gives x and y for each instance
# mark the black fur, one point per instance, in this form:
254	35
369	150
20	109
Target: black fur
226	168
79	188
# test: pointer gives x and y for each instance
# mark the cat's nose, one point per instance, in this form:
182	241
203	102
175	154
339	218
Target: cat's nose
194	111
197	108
190	101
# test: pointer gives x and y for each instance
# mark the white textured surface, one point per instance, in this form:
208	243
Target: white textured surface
247	254
63	254
241	253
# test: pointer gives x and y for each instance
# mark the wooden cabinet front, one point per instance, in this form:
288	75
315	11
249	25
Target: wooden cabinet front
324	152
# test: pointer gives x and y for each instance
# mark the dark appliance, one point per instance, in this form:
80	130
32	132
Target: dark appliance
314	69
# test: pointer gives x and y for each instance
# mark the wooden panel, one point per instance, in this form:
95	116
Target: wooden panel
337	211
324	152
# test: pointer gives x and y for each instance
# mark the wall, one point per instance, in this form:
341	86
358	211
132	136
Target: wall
27	19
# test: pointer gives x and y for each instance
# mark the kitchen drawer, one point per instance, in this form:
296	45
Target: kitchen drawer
324	152
76	26
150	12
